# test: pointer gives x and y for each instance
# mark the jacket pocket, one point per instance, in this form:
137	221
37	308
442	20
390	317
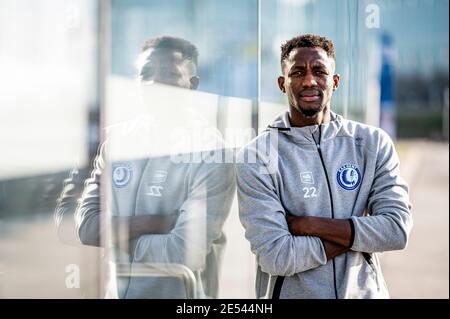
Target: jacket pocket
369	261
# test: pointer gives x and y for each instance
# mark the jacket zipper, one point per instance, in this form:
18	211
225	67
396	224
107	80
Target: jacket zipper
331	199
368	258
277	287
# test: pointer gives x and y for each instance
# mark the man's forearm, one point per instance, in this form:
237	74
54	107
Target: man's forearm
338	231
137	226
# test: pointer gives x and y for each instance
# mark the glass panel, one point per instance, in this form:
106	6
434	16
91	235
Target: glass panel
47	127
119	142
179	101
380	47
355	44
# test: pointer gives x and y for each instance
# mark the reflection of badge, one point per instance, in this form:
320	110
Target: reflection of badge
121	175
349	177
159	176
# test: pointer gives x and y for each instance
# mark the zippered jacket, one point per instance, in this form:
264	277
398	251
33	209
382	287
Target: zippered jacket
343	170
191	185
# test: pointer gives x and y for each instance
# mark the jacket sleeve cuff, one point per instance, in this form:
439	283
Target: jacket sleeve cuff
352	227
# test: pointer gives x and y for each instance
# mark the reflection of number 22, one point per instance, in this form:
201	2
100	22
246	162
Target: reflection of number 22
309	192
155	191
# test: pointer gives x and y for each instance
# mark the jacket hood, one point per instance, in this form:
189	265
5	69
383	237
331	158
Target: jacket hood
304	135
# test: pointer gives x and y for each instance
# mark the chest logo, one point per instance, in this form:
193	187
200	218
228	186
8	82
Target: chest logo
159	177
307	177
121	175
349	177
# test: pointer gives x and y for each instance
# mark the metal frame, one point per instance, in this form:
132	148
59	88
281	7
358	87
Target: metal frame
160	270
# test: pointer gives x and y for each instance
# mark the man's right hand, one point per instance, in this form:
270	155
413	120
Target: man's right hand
160	224
333	250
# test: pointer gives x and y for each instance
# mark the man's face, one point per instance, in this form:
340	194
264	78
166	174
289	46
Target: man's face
308	80
168	66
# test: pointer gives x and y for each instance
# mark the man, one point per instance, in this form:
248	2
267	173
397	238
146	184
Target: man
163	212
335	197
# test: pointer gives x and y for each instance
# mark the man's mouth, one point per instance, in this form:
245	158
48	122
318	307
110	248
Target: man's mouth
310	96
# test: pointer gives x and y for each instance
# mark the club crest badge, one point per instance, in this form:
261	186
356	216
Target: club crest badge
121	175
349	177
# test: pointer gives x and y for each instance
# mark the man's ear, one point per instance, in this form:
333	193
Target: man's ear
195	80
281	84
336	79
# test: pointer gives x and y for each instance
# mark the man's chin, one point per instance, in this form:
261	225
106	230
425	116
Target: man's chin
310	111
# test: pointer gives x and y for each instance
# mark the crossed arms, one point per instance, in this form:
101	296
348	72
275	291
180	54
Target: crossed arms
336	234
135	226
285	245
168	238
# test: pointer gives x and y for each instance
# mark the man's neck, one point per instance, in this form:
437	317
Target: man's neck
299	120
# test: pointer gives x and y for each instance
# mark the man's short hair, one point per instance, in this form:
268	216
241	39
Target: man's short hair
187	49
307	41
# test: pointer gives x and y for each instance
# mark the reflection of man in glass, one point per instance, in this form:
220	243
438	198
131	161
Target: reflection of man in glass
163	212
336	198
171	61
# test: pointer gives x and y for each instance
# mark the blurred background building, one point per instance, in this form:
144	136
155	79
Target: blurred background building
67	69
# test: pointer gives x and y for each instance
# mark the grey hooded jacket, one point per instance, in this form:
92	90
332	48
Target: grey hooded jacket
343	170
199	191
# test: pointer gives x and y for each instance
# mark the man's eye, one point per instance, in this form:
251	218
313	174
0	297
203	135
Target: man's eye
321	72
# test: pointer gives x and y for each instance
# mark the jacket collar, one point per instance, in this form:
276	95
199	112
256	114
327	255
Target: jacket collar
304	135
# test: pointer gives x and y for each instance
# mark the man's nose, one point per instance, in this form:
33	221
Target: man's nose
309	80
